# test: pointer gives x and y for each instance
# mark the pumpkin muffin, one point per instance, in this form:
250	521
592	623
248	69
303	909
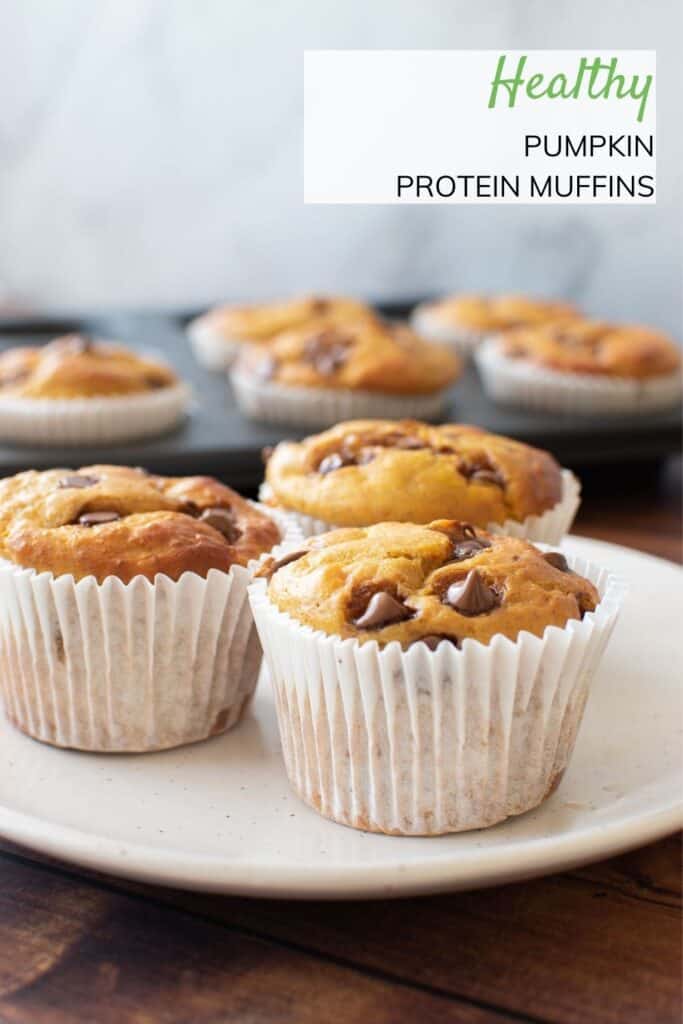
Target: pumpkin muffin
464	320
429	678
369	471
124	623
318	376
217	335
583	366
77	390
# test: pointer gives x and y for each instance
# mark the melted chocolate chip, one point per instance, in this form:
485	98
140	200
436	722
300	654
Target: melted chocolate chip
432	640
482	471
191	508
468	548
97	518
272	565
78	480
327	351
154	382
472	596
222	519
557	560
383	609
334	461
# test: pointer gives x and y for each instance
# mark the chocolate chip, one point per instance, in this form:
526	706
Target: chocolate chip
468	548
266	453
190	508
327	351
482	471
97	518
432	640
471	596
270	567
337	460
320	306
155	382
78	480
221	519
557	560
383	609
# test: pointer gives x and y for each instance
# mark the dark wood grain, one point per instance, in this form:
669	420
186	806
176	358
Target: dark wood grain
599	944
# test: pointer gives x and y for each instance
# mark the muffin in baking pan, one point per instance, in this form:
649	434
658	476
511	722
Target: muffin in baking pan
124	624
429	679
316	376
463	321
217	335
368	471
75	390
582	367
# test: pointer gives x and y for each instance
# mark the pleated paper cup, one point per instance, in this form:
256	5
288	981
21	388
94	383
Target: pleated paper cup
211	348
322	407
423	742
92	421
521	383
426	322
130	667
548	528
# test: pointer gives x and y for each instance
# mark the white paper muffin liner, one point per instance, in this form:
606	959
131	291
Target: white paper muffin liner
548	528
129	667
211	348
422	742
97	420
426	322
521	383
322	407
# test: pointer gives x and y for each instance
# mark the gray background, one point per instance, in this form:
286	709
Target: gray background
150	155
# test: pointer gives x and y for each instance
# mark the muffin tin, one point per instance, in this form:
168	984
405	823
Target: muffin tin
217	439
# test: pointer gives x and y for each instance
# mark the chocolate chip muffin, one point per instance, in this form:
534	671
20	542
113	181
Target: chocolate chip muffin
369	471
75	389
432	678
464	320
217	335
318	376
116	521
423	584
124	621
583	366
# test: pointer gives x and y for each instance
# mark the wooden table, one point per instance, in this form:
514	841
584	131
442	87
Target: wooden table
598	944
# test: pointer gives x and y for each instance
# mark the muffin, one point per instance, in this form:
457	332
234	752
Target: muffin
315	377
582	367
217	335
124	623
74	390
429	679
370	471
462	321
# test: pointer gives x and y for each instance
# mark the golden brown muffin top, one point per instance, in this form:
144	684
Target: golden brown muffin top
369	471
497	313
365	356
444	581
116	521
589	346
75	366
261	323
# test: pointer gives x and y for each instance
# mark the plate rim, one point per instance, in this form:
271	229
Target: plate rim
479	867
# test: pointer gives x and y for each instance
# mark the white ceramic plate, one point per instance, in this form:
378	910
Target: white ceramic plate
220	815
